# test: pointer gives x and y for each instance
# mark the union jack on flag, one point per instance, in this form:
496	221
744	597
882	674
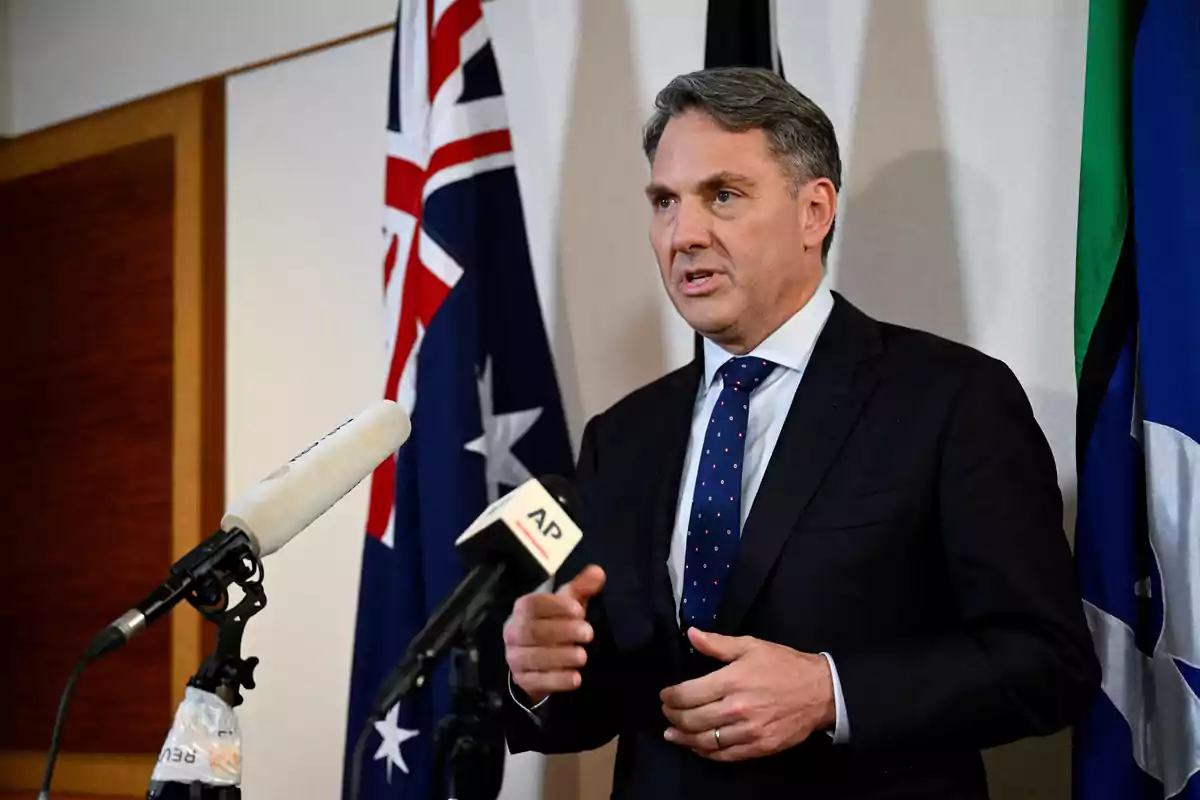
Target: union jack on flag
469	362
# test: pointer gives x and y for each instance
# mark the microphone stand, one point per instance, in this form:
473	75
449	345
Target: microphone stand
470	737
224	672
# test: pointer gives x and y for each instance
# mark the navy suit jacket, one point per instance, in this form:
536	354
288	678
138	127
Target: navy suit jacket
909	523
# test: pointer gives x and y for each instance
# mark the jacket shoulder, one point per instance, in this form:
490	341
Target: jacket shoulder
641	407
920	354
926	361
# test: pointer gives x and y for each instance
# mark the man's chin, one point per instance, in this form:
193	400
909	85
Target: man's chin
713	327
708	316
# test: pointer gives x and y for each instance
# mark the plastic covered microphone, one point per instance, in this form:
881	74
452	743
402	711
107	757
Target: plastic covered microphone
269	515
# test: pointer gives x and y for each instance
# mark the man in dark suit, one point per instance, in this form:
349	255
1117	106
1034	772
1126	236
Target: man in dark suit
826	558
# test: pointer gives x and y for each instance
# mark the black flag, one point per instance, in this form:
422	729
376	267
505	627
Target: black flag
740	33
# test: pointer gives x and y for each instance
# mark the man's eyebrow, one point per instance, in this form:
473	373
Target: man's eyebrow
709	184
656	190
725	178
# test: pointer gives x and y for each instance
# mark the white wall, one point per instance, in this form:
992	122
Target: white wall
305	351
73	57
960	131
5	72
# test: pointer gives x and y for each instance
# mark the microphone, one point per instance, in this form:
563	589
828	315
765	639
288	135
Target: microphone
267	517
515	545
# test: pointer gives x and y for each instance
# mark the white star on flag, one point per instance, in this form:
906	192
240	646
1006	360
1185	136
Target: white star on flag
393	736
500	433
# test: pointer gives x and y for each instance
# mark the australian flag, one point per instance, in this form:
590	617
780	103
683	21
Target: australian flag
469	361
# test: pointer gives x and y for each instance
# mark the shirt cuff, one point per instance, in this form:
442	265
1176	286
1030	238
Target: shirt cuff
533	711
841	729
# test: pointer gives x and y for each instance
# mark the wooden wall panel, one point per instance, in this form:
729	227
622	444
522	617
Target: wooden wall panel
111	379
85	365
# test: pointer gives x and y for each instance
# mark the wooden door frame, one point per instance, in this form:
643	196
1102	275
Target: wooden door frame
194	117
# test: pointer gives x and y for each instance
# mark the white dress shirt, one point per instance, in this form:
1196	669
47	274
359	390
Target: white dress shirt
790	346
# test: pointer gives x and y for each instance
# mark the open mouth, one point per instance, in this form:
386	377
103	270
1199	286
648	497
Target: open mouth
699	281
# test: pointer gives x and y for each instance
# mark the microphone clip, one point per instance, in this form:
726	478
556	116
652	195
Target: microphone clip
225	673
225	558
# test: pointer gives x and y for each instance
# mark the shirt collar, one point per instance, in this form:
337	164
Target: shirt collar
789	345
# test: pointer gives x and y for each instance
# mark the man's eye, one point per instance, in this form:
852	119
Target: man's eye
724	196
663	203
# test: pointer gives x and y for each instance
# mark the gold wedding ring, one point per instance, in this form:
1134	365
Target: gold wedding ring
717	736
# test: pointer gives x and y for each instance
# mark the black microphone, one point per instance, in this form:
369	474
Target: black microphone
514	546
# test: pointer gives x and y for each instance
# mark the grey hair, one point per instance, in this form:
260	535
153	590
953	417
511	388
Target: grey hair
798	132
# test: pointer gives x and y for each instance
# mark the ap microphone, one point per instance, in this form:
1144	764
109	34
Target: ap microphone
269	516
515	545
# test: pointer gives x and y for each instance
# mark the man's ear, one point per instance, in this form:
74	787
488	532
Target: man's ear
818	208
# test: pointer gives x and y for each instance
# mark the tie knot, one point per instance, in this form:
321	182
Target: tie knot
745	373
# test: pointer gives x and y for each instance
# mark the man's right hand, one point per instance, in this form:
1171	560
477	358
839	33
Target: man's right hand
543	637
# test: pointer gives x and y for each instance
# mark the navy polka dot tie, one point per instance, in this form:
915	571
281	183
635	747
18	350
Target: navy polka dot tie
714	528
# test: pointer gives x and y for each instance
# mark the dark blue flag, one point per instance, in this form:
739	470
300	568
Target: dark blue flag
469	361
1138	532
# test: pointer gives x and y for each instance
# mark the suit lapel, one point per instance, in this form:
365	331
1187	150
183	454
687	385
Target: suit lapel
665	468
839	378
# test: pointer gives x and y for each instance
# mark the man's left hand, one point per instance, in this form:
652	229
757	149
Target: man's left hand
766	699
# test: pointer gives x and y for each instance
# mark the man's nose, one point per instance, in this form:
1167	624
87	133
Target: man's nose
691	227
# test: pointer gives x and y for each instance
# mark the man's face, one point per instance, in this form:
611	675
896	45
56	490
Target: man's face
730	233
